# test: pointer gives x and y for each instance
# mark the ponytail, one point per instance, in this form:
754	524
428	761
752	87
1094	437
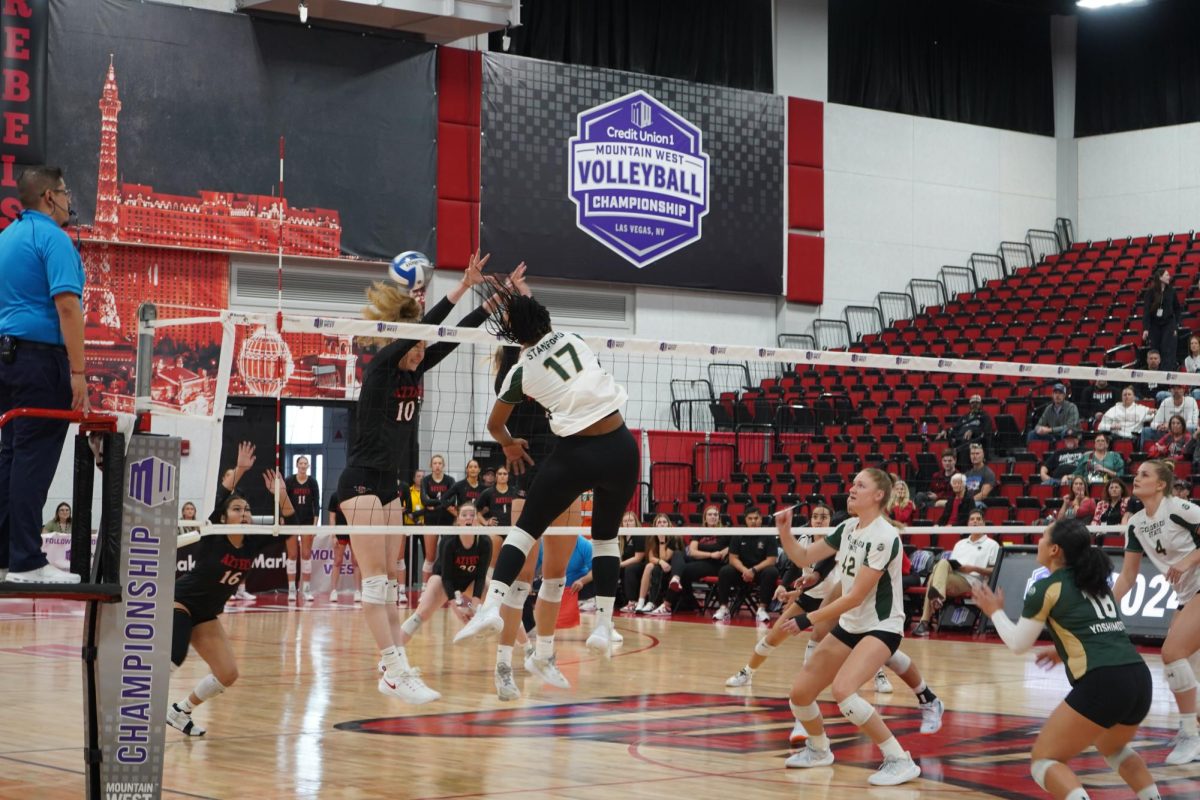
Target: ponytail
1091	565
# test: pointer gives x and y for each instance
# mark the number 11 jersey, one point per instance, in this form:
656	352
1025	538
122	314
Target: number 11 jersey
563	374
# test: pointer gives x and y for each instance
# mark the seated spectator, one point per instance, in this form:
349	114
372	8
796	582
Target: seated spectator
1057	418
704	557
974	426
939	484
633	560
1192	362
1152	390
61	522
751	563
1182	489
1176	403
1111	509
1174	443
1095	399
981	481
900	507
664	555
970	563
1100	463
1127	418
959	504
1077	503
1060	464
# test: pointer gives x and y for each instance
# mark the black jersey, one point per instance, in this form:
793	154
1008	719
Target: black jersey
711	543
219	568
335	508
387	414
463	492
306	500
497	505
433	496
463	567
633	546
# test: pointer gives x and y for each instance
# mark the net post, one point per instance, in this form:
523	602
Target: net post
108	540
81	503
147	313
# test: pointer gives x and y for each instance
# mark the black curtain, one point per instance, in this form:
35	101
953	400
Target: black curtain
1138	68
704	41
973	61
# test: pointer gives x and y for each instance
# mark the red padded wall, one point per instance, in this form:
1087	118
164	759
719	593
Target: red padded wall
806	269
459	76
806	201
806	198
806	132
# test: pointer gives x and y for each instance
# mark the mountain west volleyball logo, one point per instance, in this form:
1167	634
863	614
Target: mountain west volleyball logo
639	178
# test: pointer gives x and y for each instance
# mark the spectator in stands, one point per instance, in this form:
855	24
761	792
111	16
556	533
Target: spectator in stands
1101	463
61	523
939	484
900	507
1076	503
1152	390
970	563
1057	418
1127	418
664	553
1181	489
1111	509
1192	362
1095	399
1160	315
752	565
633	559
1174	443
1176	403
959	504
1060	464
705	555
981	481
974	426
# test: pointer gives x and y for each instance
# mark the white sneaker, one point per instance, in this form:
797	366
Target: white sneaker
798	734
721	614
600	640
931	716
357	596
615	636
629	607
882	684
181	721
291	593
895	771
485	622
741	678
46	574
762	617
307	592
663	610
1186	749
588	605
547	670
333	596
242	594
643	607
408	686
506	687
810	757
402	599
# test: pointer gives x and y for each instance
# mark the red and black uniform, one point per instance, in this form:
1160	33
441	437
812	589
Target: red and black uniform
338	517
433	499
463	492
463	567
387	415
219	568
497	505
306	500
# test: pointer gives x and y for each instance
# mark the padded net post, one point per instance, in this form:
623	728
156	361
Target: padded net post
81	509
108	540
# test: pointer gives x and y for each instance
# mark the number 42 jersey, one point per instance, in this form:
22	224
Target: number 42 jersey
876	546
563	374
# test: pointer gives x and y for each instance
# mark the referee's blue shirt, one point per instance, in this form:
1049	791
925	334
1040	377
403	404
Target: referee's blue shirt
37	262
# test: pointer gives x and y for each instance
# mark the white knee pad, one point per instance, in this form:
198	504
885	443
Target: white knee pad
857	710
521	540
306	566
375	590
209	688
1180	676
552	590
1194	660
517	594
605	547
393	591
401	565
898	663
412	624
805	713
1116	760
1039	769
290	563
763	648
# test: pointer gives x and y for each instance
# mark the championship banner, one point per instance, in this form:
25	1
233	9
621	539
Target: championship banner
134	636
24	28
602	175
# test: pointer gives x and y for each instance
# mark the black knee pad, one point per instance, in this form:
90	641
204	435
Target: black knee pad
181	636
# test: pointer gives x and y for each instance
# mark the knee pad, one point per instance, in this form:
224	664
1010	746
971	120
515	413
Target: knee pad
763	649
1117	759
290	563
899	663
805	713
412	624
519	539
517	594
605	547
552	590
1039	769
426	566
1194	660
375	590
393	591
209	688
181	636
306	566
857	710
401	565
1180	676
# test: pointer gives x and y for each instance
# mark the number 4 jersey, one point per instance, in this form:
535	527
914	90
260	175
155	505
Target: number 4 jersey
878	547
563	374
1167	538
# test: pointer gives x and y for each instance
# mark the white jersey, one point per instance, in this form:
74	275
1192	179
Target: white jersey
878	547
1167	538
980	553
562	374
821	590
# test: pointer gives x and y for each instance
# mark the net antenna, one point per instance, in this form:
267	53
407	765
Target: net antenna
277	488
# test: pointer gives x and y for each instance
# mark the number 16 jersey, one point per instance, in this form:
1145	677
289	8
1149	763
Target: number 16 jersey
1167	538
878	547
563	374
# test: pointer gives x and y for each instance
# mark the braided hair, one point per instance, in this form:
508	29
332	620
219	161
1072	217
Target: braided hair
519	319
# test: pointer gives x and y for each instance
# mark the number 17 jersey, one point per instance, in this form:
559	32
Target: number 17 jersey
563	374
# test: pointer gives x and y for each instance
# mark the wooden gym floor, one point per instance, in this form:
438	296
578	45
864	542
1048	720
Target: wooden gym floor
306	721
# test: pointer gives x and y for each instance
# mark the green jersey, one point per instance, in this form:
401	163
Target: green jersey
1087	631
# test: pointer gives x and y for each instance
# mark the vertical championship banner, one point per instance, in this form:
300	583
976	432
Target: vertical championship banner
134	636
23	33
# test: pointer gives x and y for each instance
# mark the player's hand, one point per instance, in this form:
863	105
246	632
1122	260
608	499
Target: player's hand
1176	573
492	522
516	281
473	276
783	522
273	480
516	453
245	456
463	612
790	627
1047	657
988	601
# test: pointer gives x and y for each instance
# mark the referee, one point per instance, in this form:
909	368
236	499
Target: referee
41	365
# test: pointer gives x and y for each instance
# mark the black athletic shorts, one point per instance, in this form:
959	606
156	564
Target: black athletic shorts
1111	696
357	481
201	612
342	537
808	604
892	640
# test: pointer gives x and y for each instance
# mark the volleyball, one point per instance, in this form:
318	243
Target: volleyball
410	269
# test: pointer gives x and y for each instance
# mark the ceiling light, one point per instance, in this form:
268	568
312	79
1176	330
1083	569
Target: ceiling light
304	12
1107	3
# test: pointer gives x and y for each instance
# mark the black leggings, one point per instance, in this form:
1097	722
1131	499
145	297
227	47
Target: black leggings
181	636
1164	339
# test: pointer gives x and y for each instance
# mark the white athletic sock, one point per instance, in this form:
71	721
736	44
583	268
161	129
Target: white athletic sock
1187	724
604	610
306	569
1149	793
891	748
819	742
504	654
1077	794
394	659
809	649
749	670
185	705
497	591
544	647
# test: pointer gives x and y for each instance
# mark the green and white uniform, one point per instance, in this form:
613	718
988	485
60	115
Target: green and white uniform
1167	538
878	547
